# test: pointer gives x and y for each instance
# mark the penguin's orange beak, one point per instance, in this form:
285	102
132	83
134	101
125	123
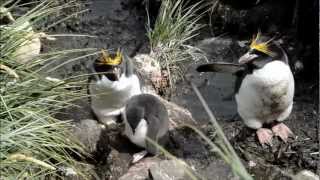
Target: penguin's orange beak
246	58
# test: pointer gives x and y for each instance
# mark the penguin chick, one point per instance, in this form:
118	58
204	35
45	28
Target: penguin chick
146	116
264	87
113	84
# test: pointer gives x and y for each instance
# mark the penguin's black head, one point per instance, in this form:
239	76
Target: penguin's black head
262	48
134	115
109	65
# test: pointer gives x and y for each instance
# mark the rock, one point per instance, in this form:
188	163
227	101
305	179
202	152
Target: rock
140	171
117	164
80	111
244	17
94	137
157	169
223	49
149	70
218	170
170	169
298	66
68	173
178	115
305	175
30	47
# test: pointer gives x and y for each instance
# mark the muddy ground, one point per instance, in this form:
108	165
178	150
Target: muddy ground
122	23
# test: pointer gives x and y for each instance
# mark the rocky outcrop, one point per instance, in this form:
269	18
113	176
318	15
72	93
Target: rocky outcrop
157	169
110	148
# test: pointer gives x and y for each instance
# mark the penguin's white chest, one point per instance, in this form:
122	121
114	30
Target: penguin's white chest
267	93
109	97
139	137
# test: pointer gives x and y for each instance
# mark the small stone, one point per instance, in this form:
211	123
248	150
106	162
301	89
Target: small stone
252	164
298	65
140	170
306	175
68	171
290	48
169	169
280	41
219	170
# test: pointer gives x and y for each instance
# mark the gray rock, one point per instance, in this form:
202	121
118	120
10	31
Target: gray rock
219	49
170	169
149	70
118	164
306	175
93	136
68	173
157	169
218	170
239	17
140	170
178	115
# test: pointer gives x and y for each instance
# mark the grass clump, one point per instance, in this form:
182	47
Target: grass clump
33	143
222	147
177	23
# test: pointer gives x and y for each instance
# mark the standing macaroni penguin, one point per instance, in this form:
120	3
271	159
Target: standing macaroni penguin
264	87
145	116
112	85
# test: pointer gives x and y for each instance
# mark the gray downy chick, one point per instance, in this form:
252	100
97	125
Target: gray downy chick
145	116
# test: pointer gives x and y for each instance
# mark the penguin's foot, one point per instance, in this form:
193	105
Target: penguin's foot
110	122
138	156
264	136
282	131
107	121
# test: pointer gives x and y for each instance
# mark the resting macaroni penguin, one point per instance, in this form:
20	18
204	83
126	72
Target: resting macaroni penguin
264	87
113	84
146	116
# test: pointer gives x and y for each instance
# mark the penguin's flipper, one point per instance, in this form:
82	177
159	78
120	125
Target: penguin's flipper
129	69
152	134
221	67
90	79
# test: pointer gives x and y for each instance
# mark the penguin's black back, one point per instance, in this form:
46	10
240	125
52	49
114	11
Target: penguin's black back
148	107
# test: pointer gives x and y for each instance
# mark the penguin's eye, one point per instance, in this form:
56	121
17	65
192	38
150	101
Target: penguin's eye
256	52
253	51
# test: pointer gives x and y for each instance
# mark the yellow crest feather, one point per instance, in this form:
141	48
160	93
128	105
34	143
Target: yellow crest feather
263	46
108	60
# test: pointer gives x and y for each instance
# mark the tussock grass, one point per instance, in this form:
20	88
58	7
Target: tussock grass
177	23
223	148
33	143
